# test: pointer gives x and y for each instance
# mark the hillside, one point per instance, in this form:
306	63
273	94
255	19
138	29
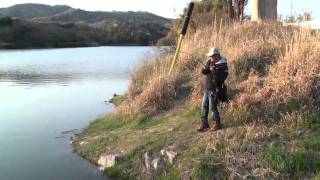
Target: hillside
75	15
61	13
43	26
15	33
271	127
29	11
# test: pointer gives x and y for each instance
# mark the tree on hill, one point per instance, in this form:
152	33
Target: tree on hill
36	25
236	9
17	33
62	14
306	16
6	21
29	11
208	12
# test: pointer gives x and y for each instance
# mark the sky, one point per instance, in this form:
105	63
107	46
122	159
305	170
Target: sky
166	8
298	7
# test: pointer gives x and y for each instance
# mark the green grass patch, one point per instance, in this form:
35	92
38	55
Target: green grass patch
203	171
292	105
191	113
206	171
114	122
286	135
119	99
143	122
96	147
197	151
129	167
236	117
295	163
313	120
311	143
172	173
113	172
108	123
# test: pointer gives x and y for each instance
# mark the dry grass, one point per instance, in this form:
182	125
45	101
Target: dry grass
157	97
270	64
293	76
274	87
274	77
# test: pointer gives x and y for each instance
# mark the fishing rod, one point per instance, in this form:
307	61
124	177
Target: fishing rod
182	34
198	60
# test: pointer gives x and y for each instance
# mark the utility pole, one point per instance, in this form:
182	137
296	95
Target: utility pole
264	10
291	15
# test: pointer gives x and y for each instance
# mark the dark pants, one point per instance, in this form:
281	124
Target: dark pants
209	102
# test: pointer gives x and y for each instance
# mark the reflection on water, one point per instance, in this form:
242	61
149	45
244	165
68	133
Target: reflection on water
32	79
45	93
61	66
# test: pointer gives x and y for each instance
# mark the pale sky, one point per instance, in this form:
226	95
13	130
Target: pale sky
166	8
298	7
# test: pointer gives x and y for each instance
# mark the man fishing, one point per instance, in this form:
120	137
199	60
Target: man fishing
215	71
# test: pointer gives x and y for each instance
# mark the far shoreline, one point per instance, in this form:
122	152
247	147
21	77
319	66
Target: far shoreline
72	47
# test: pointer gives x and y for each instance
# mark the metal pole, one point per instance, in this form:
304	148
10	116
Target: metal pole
176	54
182	34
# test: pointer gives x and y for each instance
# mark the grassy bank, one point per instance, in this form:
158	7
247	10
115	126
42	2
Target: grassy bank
271	126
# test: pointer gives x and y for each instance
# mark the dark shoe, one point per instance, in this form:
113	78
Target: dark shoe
203	126
216	127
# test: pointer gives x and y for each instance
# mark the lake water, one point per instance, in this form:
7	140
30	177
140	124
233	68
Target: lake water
44	93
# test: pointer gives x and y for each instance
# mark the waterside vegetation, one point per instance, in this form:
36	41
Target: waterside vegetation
271	126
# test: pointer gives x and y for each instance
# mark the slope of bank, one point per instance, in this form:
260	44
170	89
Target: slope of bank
270	127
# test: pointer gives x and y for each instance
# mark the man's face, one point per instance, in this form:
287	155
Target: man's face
214	58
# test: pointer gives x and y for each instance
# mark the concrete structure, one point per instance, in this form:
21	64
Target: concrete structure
264	10
313	25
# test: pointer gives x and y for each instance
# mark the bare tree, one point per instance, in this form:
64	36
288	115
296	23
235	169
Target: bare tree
230	10
241	4
236	9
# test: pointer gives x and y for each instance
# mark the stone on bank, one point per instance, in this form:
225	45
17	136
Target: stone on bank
106	161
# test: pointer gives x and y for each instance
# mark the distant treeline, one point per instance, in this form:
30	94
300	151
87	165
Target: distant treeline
17	33
44	26
63	13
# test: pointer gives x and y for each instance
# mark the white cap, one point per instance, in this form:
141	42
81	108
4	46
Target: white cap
213	51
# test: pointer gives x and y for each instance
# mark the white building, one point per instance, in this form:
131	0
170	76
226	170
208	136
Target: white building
314	25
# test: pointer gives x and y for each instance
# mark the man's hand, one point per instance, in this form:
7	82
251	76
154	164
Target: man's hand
206	68
205	71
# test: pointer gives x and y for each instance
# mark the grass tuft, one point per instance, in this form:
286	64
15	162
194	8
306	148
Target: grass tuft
203	170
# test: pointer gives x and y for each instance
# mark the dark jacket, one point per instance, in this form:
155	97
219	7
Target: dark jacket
216	74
